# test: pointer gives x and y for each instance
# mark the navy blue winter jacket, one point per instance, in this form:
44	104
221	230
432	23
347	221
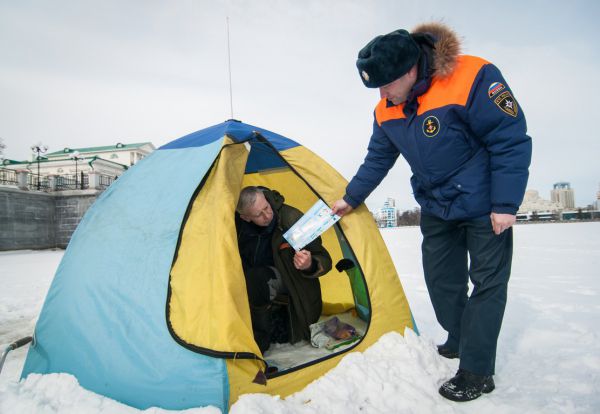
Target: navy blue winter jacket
465	140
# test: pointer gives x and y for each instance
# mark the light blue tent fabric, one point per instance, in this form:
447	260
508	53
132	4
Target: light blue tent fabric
104	318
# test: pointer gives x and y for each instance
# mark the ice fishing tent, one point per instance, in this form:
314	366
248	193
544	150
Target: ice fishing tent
149	306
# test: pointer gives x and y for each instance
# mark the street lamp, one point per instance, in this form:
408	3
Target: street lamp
38	149
75	156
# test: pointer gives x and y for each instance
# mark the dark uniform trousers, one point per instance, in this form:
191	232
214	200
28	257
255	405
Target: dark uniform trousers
473	322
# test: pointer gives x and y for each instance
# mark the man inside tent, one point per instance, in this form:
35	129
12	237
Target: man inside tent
274	270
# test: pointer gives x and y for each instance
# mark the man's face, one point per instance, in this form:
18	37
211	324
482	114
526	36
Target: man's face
260	213
398	90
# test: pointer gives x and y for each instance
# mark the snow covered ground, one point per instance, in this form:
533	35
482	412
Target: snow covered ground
548	355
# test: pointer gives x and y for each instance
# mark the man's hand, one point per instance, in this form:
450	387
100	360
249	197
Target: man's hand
501	222
341	208
302	260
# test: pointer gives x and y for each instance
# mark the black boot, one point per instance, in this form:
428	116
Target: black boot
466	386
261	326
449	349
447	352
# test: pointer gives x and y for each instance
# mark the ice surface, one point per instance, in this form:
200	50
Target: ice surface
548	352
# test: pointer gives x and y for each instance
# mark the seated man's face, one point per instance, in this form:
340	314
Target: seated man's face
260	213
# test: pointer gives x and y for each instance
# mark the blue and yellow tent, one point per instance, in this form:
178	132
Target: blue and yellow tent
149	304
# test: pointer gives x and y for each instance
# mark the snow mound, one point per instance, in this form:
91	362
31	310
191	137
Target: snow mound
402	372
61	393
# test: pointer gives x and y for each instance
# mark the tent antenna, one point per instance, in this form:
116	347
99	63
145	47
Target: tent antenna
229	61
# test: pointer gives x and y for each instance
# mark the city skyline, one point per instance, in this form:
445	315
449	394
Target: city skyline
546	201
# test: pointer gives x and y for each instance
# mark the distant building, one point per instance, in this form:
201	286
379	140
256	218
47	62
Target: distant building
597	202
386	216
563	194
533	202
125	154
111	160
535	208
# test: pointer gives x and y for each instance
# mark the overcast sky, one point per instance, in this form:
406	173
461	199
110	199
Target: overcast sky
89	73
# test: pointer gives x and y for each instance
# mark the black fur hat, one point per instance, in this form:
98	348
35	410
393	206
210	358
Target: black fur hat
386	58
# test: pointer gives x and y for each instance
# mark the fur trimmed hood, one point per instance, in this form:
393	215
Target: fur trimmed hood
447	46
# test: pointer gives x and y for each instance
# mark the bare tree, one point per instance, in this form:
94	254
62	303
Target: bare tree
409	217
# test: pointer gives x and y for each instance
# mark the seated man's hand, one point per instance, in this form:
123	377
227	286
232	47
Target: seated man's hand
302	260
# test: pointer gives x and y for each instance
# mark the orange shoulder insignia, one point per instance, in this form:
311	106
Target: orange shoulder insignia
453	89
383	113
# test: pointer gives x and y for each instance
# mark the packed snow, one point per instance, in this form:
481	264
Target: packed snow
548	353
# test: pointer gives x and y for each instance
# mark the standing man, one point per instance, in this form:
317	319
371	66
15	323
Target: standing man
456	122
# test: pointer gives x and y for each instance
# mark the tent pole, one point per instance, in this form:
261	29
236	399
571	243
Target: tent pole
229	61
13	346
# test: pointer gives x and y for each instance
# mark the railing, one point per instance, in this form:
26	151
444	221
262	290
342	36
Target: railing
65	182
54	182
8	177
70	182
106	180
37	182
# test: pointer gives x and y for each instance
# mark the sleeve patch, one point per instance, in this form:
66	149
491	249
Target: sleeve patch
507	103
494	89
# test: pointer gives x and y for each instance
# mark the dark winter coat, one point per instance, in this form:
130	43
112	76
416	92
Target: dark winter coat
462	133
304	289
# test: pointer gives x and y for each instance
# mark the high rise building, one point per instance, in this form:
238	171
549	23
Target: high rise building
386	216
533	202
563	194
